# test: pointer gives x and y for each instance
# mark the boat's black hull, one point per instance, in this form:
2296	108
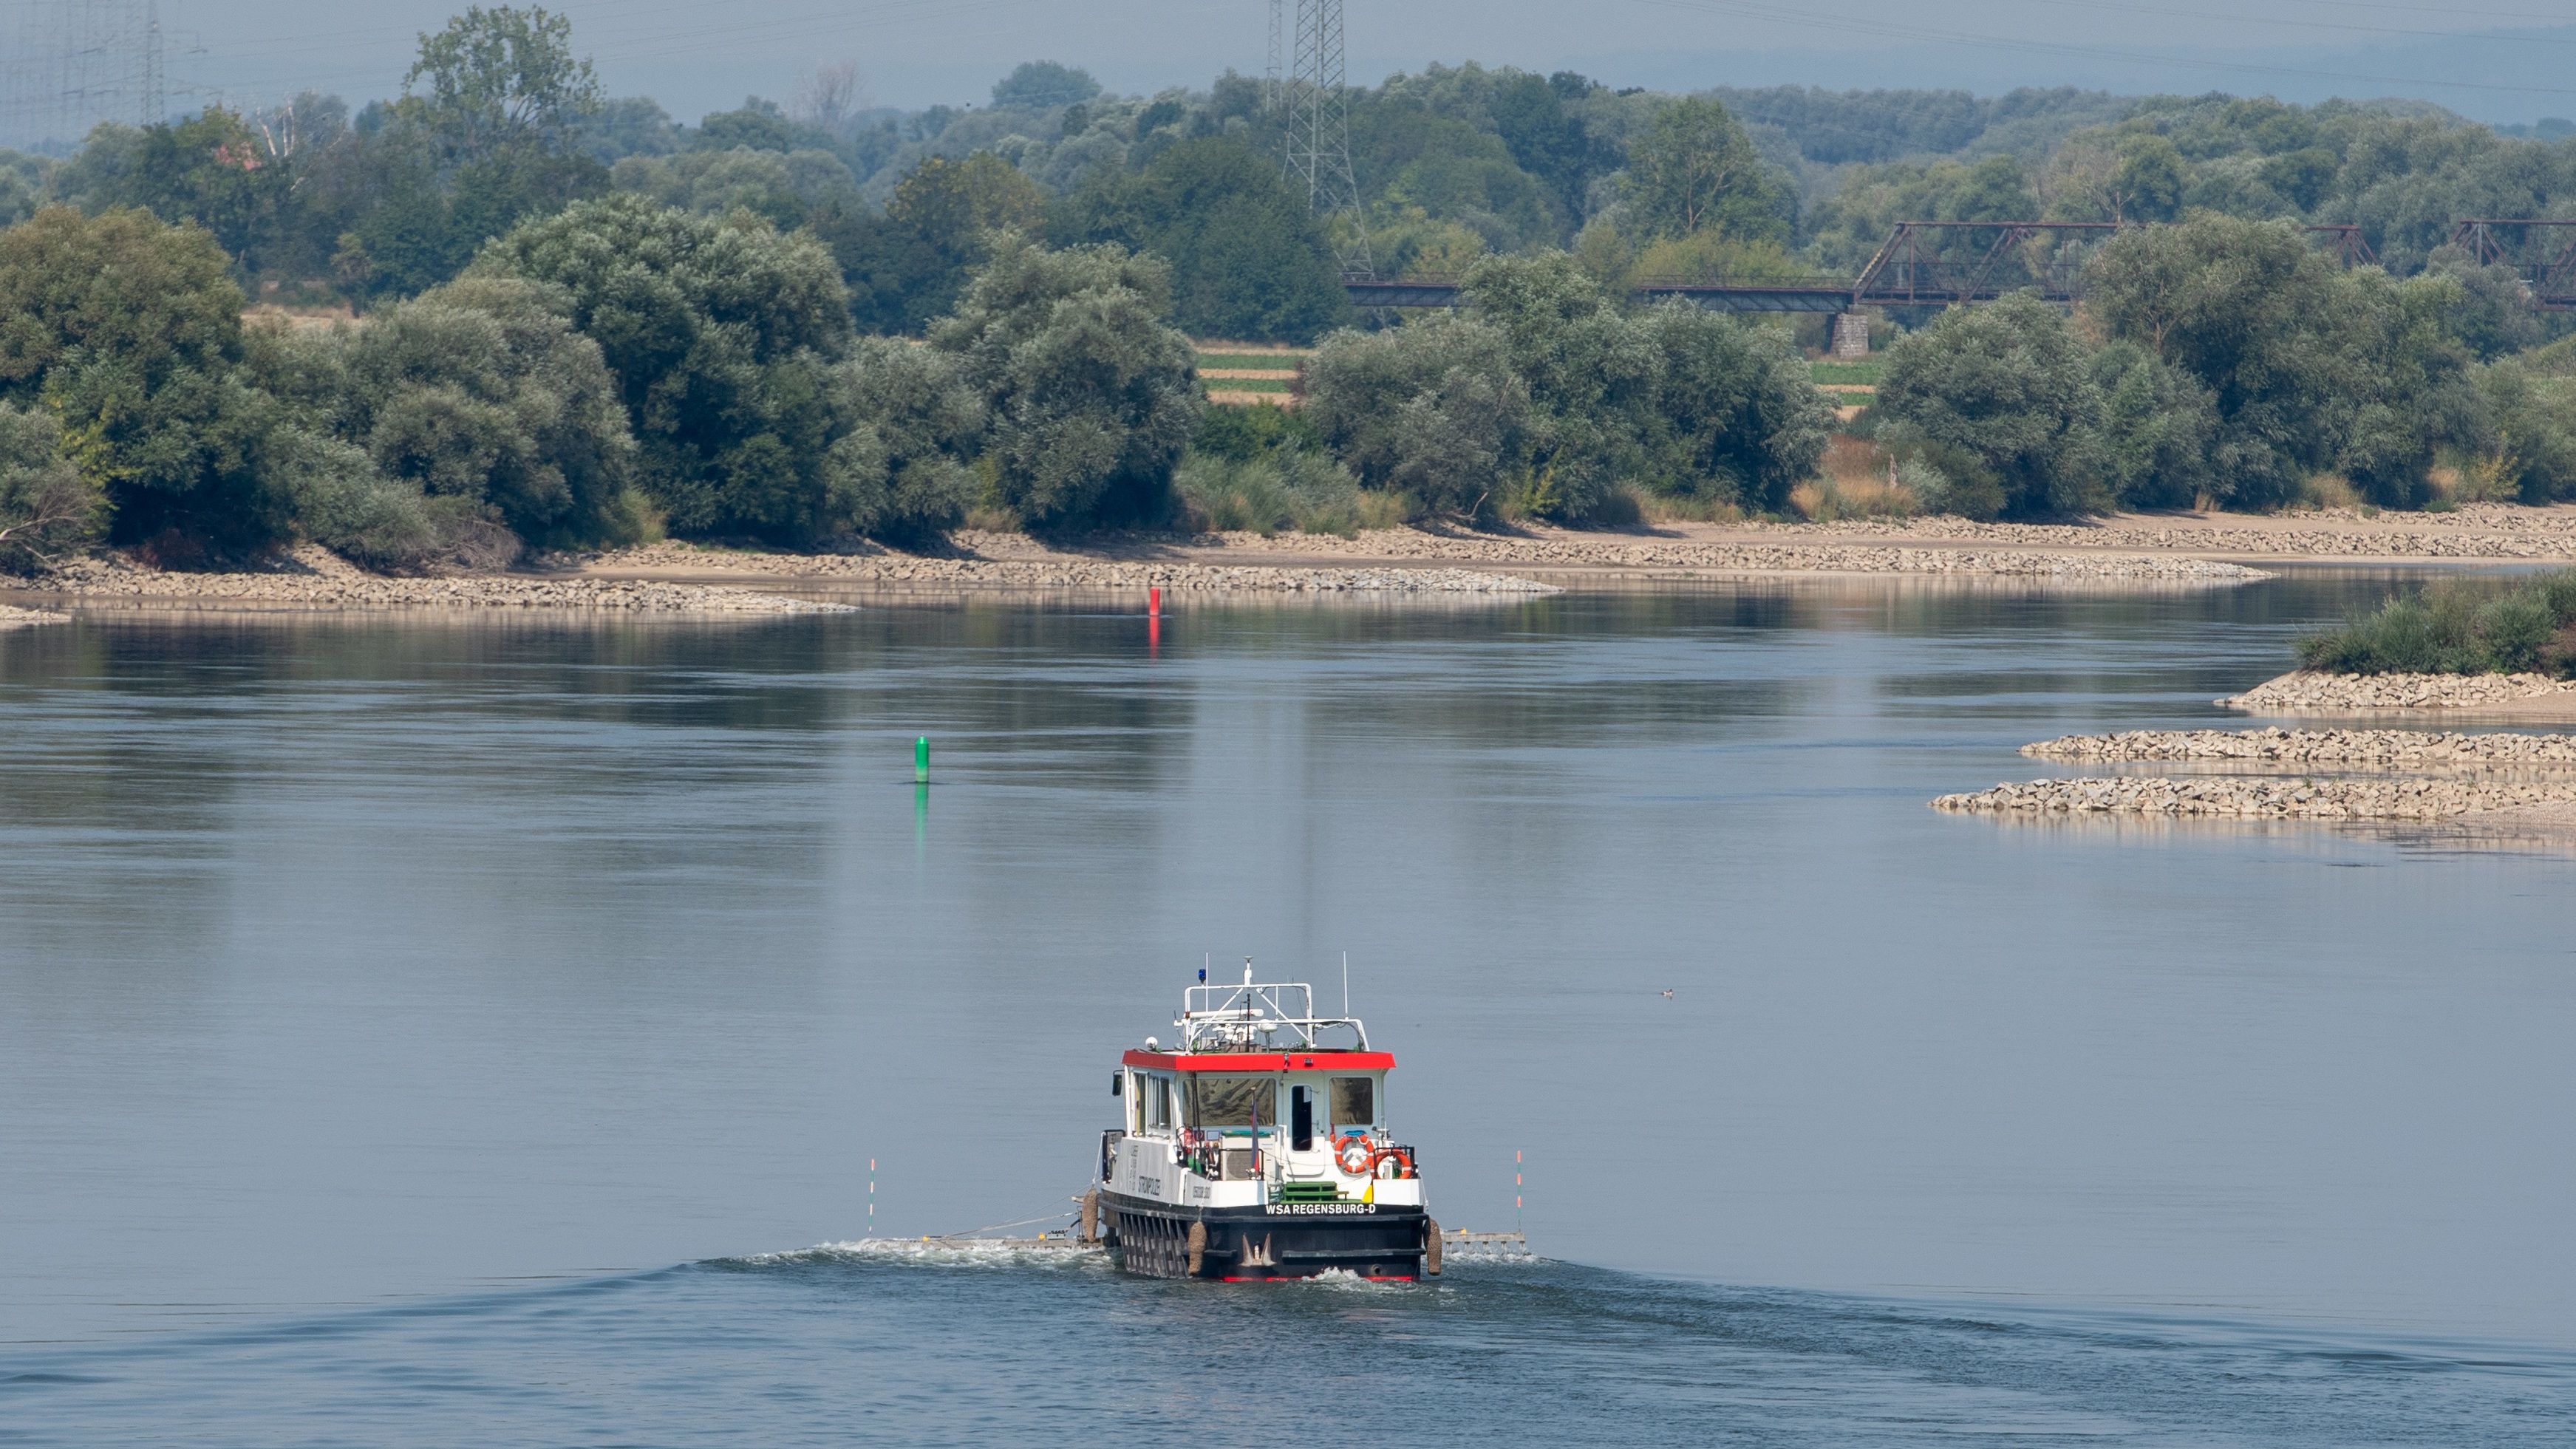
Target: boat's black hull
1293	1240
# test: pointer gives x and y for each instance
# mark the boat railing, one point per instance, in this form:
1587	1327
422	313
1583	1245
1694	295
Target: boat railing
1263	1016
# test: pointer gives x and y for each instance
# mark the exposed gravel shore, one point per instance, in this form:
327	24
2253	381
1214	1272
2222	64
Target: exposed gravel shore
1407	560
2238	797
317	580
2305	691
2343	747
13	617
1037	568
2472	531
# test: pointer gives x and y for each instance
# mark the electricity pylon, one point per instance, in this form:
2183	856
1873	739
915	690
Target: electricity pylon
1274	90
1319	132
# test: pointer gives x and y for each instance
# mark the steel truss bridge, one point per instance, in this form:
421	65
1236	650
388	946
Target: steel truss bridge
1941	263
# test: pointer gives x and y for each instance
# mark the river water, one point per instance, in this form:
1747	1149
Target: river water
480	1031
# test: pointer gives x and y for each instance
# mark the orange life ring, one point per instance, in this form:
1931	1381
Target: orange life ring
1354	1156
1402	1159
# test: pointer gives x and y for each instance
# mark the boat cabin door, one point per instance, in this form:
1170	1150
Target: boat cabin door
1301	1119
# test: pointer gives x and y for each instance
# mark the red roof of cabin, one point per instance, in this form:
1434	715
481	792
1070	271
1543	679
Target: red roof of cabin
1263	1061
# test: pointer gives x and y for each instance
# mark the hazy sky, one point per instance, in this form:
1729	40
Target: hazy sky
695	56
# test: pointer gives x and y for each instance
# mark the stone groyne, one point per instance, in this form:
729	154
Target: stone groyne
2315	747
2308	691
2243	798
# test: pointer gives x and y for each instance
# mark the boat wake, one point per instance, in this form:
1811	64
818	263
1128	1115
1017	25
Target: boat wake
1052	1253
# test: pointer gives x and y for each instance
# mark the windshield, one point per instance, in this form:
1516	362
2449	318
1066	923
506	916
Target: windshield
1216	1101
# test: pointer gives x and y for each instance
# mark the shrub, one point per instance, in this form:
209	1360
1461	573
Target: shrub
1298	490
1433	410
46	505
2449	630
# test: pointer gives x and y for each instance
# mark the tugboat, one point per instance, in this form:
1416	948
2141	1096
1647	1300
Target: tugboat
1256	1147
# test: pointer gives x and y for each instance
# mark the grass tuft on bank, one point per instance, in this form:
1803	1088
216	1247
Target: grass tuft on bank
2450	630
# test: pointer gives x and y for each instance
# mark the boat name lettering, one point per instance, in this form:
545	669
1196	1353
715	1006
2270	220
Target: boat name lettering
1304	1208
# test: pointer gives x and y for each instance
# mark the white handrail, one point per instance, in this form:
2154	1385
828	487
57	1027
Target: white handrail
1256	1016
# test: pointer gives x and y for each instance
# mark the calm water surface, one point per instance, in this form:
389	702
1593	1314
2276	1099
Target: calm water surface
436	1032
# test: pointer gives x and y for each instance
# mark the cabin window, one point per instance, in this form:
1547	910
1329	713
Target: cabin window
1158	1094
1354	1101
1231	1101
1136	1102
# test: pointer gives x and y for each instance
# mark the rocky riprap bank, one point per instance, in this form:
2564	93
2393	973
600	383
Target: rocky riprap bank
318	580
2307	691
2315	747
2397	798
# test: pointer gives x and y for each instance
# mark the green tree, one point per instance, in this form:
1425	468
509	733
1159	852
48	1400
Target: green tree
900	472
1036	85
482	392
129	331
2001	400
1432	410
2530	405
1248	259
1736	418
2308	368
2158	429
47	506
501	79
1694	168
909	265
1092	398
722	334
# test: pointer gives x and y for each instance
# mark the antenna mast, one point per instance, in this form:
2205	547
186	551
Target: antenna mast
1319	133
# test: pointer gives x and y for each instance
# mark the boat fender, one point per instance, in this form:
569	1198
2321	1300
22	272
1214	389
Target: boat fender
1198	1247
1091	1216
1355	1156
1430	1248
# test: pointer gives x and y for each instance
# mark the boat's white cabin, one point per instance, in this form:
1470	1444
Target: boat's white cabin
1260	1103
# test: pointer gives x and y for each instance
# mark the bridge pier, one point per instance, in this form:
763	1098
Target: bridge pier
1851	334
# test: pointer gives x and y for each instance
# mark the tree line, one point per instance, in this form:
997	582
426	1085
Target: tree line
587	323
2224	361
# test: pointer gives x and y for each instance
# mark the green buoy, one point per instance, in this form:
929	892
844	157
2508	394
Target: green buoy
921	760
